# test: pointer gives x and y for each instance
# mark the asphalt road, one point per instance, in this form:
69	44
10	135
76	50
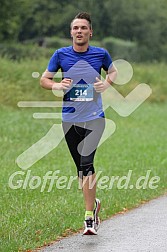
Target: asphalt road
143	229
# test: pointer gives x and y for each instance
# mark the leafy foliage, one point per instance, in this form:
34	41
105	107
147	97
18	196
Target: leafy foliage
127	50
142	21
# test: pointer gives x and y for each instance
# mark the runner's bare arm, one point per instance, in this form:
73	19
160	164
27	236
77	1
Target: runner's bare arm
47	82
111	75
100	86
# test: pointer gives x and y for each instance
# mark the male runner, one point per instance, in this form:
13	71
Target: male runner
83	119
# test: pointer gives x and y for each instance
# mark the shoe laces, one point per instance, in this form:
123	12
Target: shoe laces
89	223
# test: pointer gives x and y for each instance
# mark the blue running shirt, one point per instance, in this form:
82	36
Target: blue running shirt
81	103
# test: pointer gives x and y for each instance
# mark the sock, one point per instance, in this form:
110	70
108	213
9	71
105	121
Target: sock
88	214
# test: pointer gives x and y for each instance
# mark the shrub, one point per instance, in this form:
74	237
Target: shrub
55	42
19	51
121	49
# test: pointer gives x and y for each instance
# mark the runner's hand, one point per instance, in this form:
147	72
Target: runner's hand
65	84
100	86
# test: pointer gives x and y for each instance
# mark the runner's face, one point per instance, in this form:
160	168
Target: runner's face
80	31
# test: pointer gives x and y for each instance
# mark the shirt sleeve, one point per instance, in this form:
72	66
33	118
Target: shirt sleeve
54	65
107	61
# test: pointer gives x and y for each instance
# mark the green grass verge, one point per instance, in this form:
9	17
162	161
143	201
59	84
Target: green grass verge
31	218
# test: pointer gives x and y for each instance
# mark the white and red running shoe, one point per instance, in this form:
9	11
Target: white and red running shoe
95	212
92	225
89	227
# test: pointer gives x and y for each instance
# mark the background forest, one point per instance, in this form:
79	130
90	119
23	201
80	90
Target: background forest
135	30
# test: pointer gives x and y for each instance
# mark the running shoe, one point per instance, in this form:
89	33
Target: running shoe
92	225
95	212
89	227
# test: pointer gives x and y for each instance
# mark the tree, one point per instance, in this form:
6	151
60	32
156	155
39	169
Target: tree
9	19
140	21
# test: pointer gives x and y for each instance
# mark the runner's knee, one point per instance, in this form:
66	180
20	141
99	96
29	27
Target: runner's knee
86	170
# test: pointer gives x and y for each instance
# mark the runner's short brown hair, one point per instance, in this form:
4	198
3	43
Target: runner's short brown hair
84	15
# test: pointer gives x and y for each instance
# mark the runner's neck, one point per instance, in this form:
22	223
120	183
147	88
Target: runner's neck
78	48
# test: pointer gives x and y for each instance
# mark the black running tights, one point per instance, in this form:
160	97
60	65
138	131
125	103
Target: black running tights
82	140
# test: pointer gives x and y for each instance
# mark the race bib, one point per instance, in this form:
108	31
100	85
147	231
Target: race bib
81	92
